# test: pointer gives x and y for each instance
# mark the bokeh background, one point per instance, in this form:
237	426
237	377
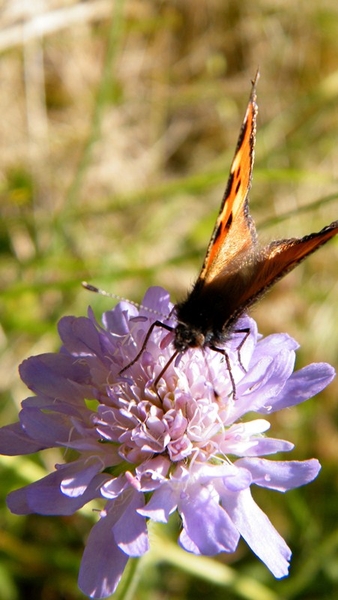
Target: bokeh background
118	123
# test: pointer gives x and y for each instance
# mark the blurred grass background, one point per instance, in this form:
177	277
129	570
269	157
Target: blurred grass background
119	120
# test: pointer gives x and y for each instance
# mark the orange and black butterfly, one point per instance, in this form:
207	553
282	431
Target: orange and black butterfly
236	272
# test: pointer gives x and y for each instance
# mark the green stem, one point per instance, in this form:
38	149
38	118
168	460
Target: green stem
130	580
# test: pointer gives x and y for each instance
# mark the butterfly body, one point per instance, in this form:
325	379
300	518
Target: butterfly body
208	314
235	271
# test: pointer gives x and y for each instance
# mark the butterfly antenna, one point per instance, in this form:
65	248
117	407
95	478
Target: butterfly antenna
96	290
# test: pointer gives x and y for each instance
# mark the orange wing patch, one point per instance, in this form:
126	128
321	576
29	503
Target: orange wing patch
234	231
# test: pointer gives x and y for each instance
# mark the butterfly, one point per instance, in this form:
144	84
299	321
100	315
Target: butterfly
236	271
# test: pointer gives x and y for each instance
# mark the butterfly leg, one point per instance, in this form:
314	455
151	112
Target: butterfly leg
228	364
171	359
246	332
143	347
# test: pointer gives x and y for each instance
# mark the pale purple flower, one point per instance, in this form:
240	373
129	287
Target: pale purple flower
185	444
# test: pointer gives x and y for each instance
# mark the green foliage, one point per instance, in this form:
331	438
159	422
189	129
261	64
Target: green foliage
117	133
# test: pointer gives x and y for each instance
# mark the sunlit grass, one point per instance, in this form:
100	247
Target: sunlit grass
117	133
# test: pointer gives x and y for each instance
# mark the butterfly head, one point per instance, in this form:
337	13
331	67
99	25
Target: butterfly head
188	337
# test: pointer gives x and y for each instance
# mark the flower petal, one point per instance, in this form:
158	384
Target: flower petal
280	475
14	441
79	336
302	384
130	531
205	522
102	563
161	505
255	527
56	375
45	497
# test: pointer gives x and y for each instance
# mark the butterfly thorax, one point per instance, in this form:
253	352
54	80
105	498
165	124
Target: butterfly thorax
202	321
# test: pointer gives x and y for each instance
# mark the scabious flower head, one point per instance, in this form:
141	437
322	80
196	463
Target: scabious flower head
149	450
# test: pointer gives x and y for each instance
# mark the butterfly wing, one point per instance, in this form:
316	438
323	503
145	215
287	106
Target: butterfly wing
234	233
235	272
271	264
